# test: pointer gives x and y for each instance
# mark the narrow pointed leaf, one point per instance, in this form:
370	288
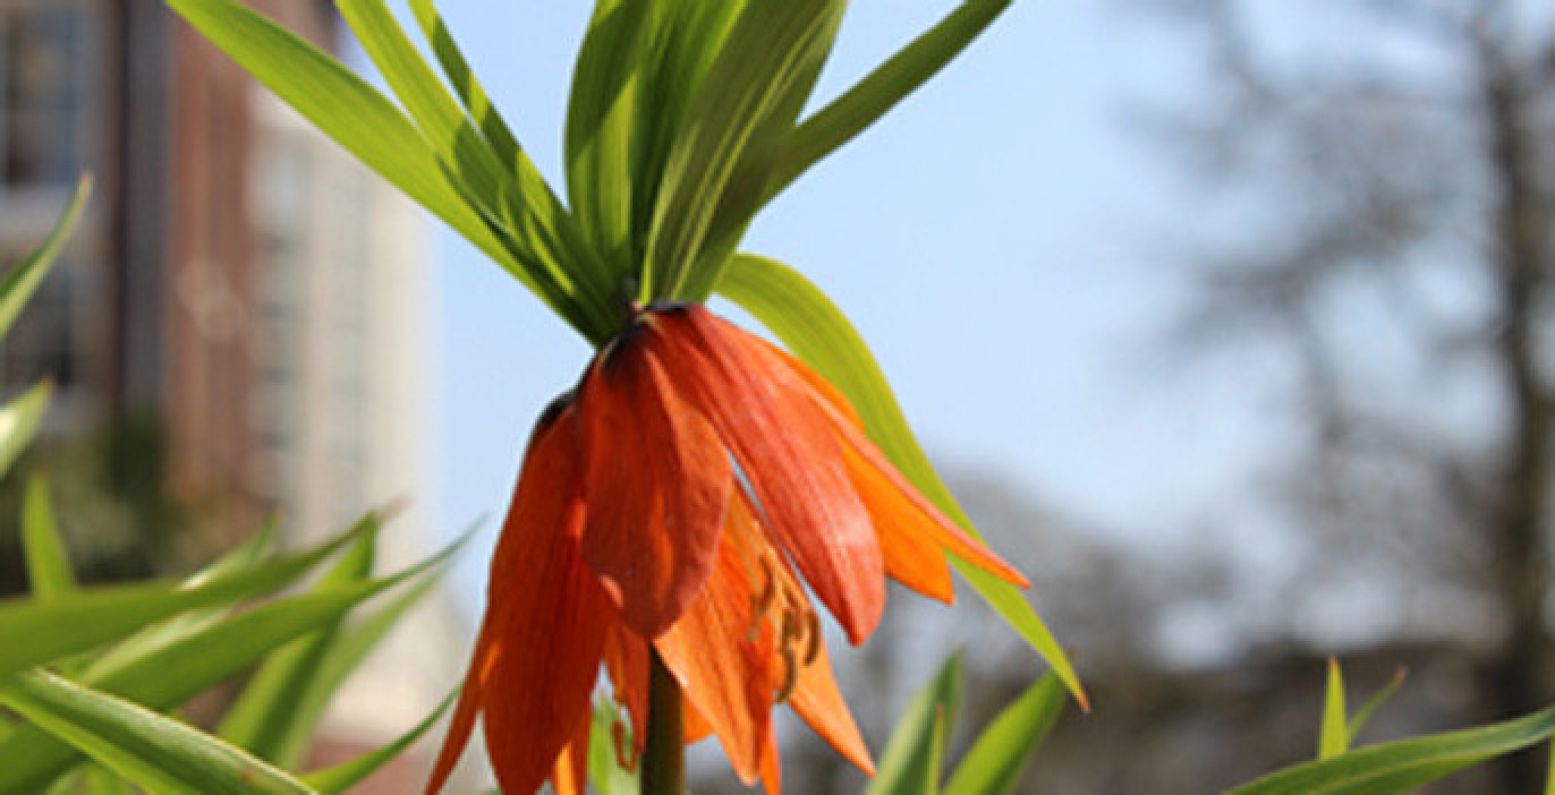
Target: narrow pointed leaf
816	331
1400	766
266	719
279	710
768	50
1362	715
1001	754
1334	737
342	777
22	280
522	201
173	674
48	564
91	617
863	104
164	633
602	151
19	421
911	760
354	114
156	752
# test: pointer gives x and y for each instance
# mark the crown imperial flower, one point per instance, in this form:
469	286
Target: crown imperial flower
677	504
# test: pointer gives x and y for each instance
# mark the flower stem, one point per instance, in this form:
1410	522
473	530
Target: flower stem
664	753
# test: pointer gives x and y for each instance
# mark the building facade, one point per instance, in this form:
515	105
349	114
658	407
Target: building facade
237	278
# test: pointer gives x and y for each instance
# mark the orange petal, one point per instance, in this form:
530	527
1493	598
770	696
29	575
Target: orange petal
911	528
657	482
570	774
694	727
463	723
818	702
771	767
547	617
786	448
724	675
909	539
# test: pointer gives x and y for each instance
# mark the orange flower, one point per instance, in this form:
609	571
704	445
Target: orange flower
674	504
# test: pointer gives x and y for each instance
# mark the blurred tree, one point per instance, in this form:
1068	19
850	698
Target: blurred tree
1386	171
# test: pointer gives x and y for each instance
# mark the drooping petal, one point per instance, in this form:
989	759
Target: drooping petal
547	617
722	669
694	727
463	723
771	767
912	530
787	449
819	703
657	482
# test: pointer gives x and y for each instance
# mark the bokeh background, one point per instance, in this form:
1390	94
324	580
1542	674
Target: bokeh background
1229	322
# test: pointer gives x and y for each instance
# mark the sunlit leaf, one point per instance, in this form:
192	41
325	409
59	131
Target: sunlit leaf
359	118
912	757
19	421
167	674
91	617
769	52
163	633
158	753
817	332
863	104
1400	766
601	149
1002	752
22	280
48	564
267	718
342	777
527	209
1334	737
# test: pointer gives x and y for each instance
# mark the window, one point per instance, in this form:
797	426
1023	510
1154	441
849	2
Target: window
43	69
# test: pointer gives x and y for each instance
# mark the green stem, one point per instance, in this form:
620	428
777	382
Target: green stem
664	754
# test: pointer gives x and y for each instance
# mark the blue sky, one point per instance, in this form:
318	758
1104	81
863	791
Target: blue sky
997	239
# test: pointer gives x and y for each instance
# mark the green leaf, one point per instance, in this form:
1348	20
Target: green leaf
1000	755
170	673
1334	738
911	760
818	333
711	182
601	147
91	617
1549	783
605	770
342	777
541	231
164	633
158	753
21	281
359	118
269	717
1400	766
176	673
19	422
1362	715
863	104
48	564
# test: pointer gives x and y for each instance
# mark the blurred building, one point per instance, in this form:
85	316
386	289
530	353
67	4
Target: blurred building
238	281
